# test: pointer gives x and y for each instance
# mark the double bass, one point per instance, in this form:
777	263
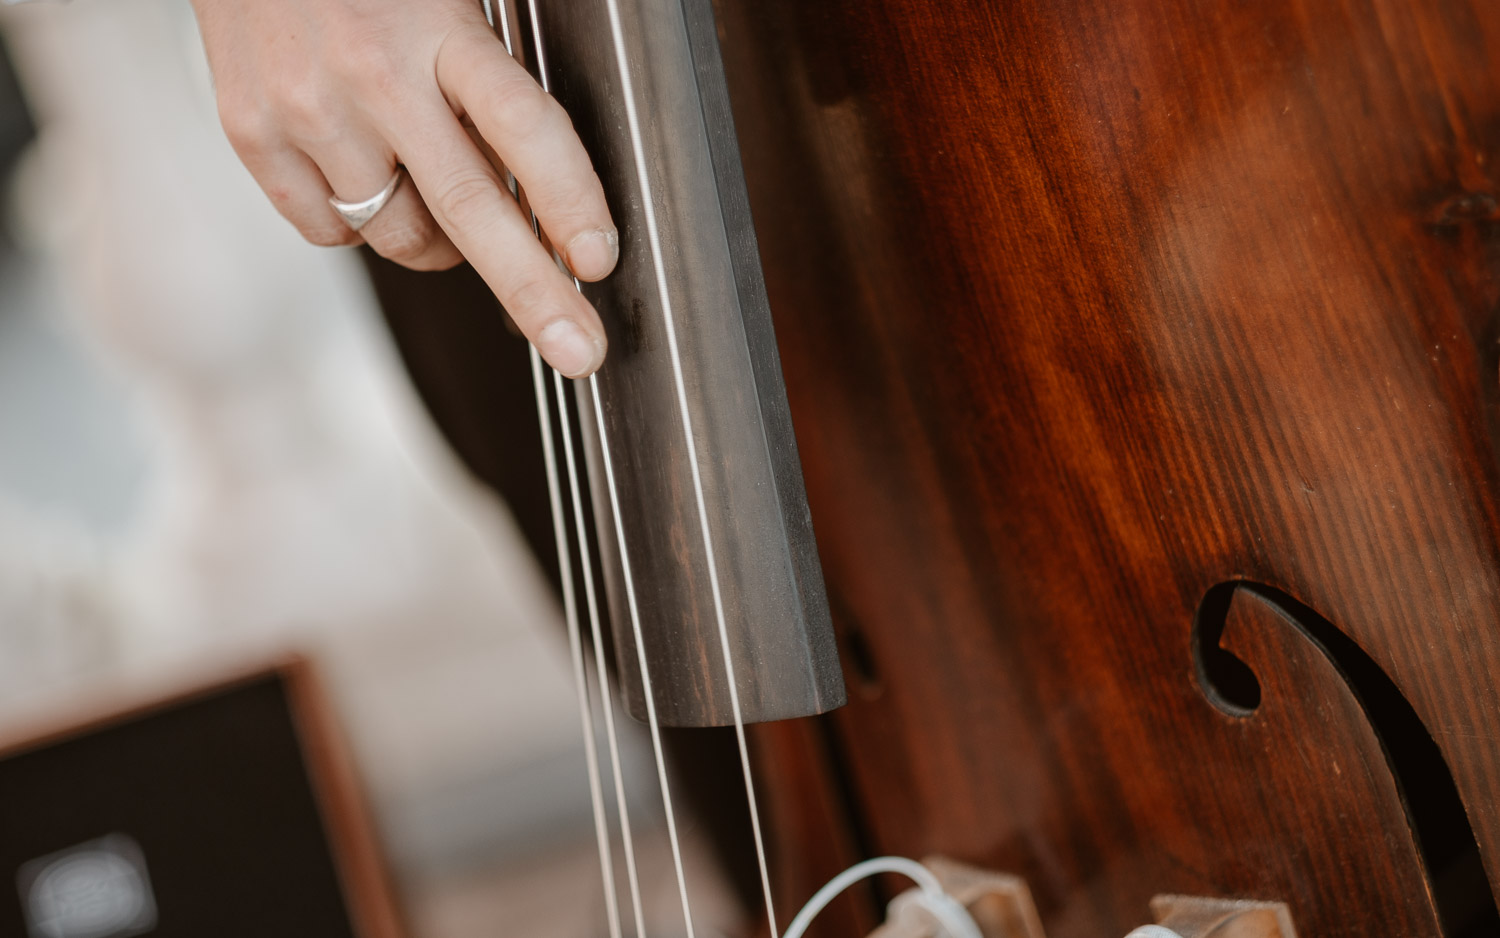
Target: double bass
1142	358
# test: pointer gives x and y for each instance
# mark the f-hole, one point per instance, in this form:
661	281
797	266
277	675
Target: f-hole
1461	892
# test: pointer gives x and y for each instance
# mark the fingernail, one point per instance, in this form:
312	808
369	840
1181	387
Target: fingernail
569	349
593	254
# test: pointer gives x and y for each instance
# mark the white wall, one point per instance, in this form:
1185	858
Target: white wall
206	447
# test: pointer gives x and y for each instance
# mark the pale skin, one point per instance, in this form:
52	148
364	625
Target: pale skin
326	97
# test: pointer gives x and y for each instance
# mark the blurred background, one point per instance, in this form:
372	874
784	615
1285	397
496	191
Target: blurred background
209	452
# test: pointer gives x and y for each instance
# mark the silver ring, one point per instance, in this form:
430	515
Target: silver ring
357	214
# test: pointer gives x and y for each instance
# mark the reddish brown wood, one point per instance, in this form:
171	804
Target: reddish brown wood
368	887
1085	307
807	821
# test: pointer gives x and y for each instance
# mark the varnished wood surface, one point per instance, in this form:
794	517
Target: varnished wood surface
1085	307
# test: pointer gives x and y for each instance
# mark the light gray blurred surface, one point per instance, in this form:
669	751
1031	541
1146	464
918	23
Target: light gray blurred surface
70	443
207	450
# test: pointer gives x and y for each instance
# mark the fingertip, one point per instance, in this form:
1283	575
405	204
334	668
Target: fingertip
592	254
570	349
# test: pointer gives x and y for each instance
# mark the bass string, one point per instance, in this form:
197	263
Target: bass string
664	294
652	723
602	676
643	180
605	697
575	649
627	837
570	603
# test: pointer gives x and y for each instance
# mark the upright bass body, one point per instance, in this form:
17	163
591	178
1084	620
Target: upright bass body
1142	356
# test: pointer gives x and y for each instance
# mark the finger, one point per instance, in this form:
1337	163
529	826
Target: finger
403	230
406	232
298	190
532	134
469	200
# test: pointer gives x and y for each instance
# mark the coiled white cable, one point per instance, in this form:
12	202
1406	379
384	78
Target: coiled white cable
954	920
951	915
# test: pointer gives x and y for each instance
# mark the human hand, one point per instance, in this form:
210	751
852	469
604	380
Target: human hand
328	96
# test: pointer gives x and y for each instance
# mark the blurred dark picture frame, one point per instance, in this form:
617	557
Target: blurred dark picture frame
239	785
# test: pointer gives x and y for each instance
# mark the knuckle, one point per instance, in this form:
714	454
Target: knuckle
463	45
306	109
575	209
526	294
520	108
446	260
405	242
383	76
329	236
248	125
367	61
441	258
468	200
284	198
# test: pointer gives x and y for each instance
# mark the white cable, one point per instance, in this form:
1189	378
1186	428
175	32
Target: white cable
952	917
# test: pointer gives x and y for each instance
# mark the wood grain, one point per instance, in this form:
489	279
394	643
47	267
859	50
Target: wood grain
1084	308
